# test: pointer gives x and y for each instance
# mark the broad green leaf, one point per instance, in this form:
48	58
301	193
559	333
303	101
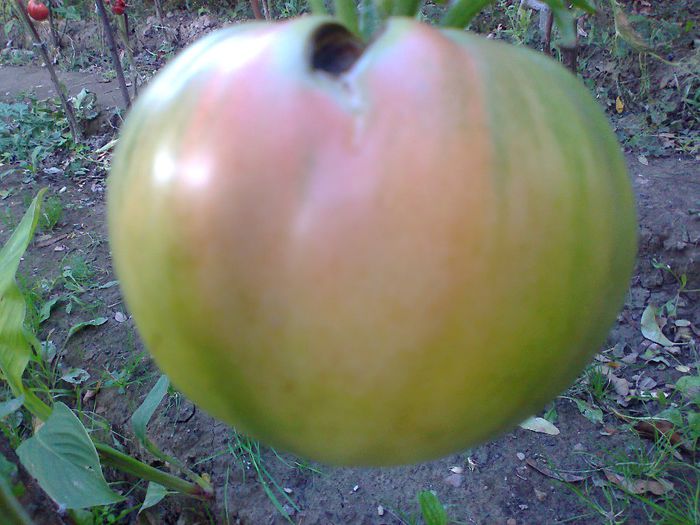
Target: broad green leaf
80	326
8	470
11	512
45	311
64	461
694	425
564	19
432	510
154	494
15	350
624	29
650	327
11	406
76	376
592	413
461	12
689	386
143	414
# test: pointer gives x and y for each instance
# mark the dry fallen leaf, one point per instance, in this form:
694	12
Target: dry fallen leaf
640	486
541	425
619	105
561	476
48	240
654	429
650	327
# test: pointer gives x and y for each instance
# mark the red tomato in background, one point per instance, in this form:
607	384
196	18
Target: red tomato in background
37	10
119	7
369	256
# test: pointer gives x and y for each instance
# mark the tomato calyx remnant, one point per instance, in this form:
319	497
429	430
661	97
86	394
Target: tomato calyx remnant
334	49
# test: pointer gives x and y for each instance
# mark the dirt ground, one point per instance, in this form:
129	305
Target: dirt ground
515	479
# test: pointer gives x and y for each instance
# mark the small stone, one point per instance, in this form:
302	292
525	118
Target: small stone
456	470
380	511
119	317
520	456
541	495
578	447
288	490
454	480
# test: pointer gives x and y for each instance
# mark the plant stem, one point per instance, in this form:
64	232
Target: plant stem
67	107
125	463
255	6
318	7
461	12
123	23
346	12
159	9
196	478
52	26
547	47
10	509
102	12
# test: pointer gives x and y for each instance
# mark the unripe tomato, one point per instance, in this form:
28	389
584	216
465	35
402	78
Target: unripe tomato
37	10
369	256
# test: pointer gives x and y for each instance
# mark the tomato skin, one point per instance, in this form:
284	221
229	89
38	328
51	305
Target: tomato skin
37	11
375	269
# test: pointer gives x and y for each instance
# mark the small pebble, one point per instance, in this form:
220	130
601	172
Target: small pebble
520	456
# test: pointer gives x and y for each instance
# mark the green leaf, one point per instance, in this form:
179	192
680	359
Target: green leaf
431	508
80	326
689	387
591	413
10	509
11	406
45	311
650	327
14	347
624	29
461	12
65	463
8	470
76	376
154	494
143	414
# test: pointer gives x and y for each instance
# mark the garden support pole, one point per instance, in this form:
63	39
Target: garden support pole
102	12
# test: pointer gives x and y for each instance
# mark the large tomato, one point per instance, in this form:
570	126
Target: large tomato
369	256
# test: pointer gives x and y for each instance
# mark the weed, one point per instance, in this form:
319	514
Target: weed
30	131
247	452
51	213
78	274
